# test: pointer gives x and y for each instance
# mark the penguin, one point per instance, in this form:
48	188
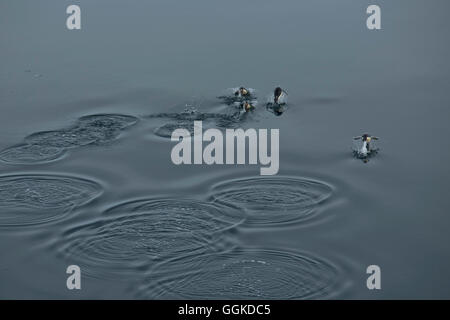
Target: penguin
277	94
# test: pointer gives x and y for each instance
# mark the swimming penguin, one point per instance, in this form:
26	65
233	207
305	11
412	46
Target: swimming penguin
277	94
242	92
247	106
365	149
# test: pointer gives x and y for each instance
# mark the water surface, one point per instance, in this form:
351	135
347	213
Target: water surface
86	176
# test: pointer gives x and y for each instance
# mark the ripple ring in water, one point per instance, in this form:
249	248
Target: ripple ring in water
273	200
137	233
243	274
27	153
34	199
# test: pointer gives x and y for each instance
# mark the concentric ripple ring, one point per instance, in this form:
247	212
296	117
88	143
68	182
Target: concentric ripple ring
34	199
272	200
137	233
243	274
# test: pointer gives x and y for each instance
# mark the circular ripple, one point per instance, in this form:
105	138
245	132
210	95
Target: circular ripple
33	199
25	154
273	200
243	274
136	233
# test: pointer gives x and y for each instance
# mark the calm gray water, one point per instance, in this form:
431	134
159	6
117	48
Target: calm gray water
86	176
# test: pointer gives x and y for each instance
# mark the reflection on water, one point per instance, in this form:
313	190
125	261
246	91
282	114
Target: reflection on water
140	232
243	274
51	145
273	200
34	199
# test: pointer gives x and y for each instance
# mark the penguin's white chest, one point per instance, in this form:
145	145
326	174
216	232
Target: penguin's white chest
364	150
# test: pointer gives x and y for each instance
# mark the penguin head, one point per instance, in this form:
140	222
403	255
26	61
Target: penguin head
277	94
247	106
243	91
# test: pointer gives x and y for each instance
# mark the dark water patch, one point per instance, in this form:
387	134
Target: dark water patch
104	127
186	120
34	199
273	200
167	129
138	233
233	121
88	130
51	145
243	274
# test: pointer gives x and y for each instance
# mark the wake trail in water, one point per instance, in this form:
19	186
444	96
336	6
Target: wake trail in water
49	146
